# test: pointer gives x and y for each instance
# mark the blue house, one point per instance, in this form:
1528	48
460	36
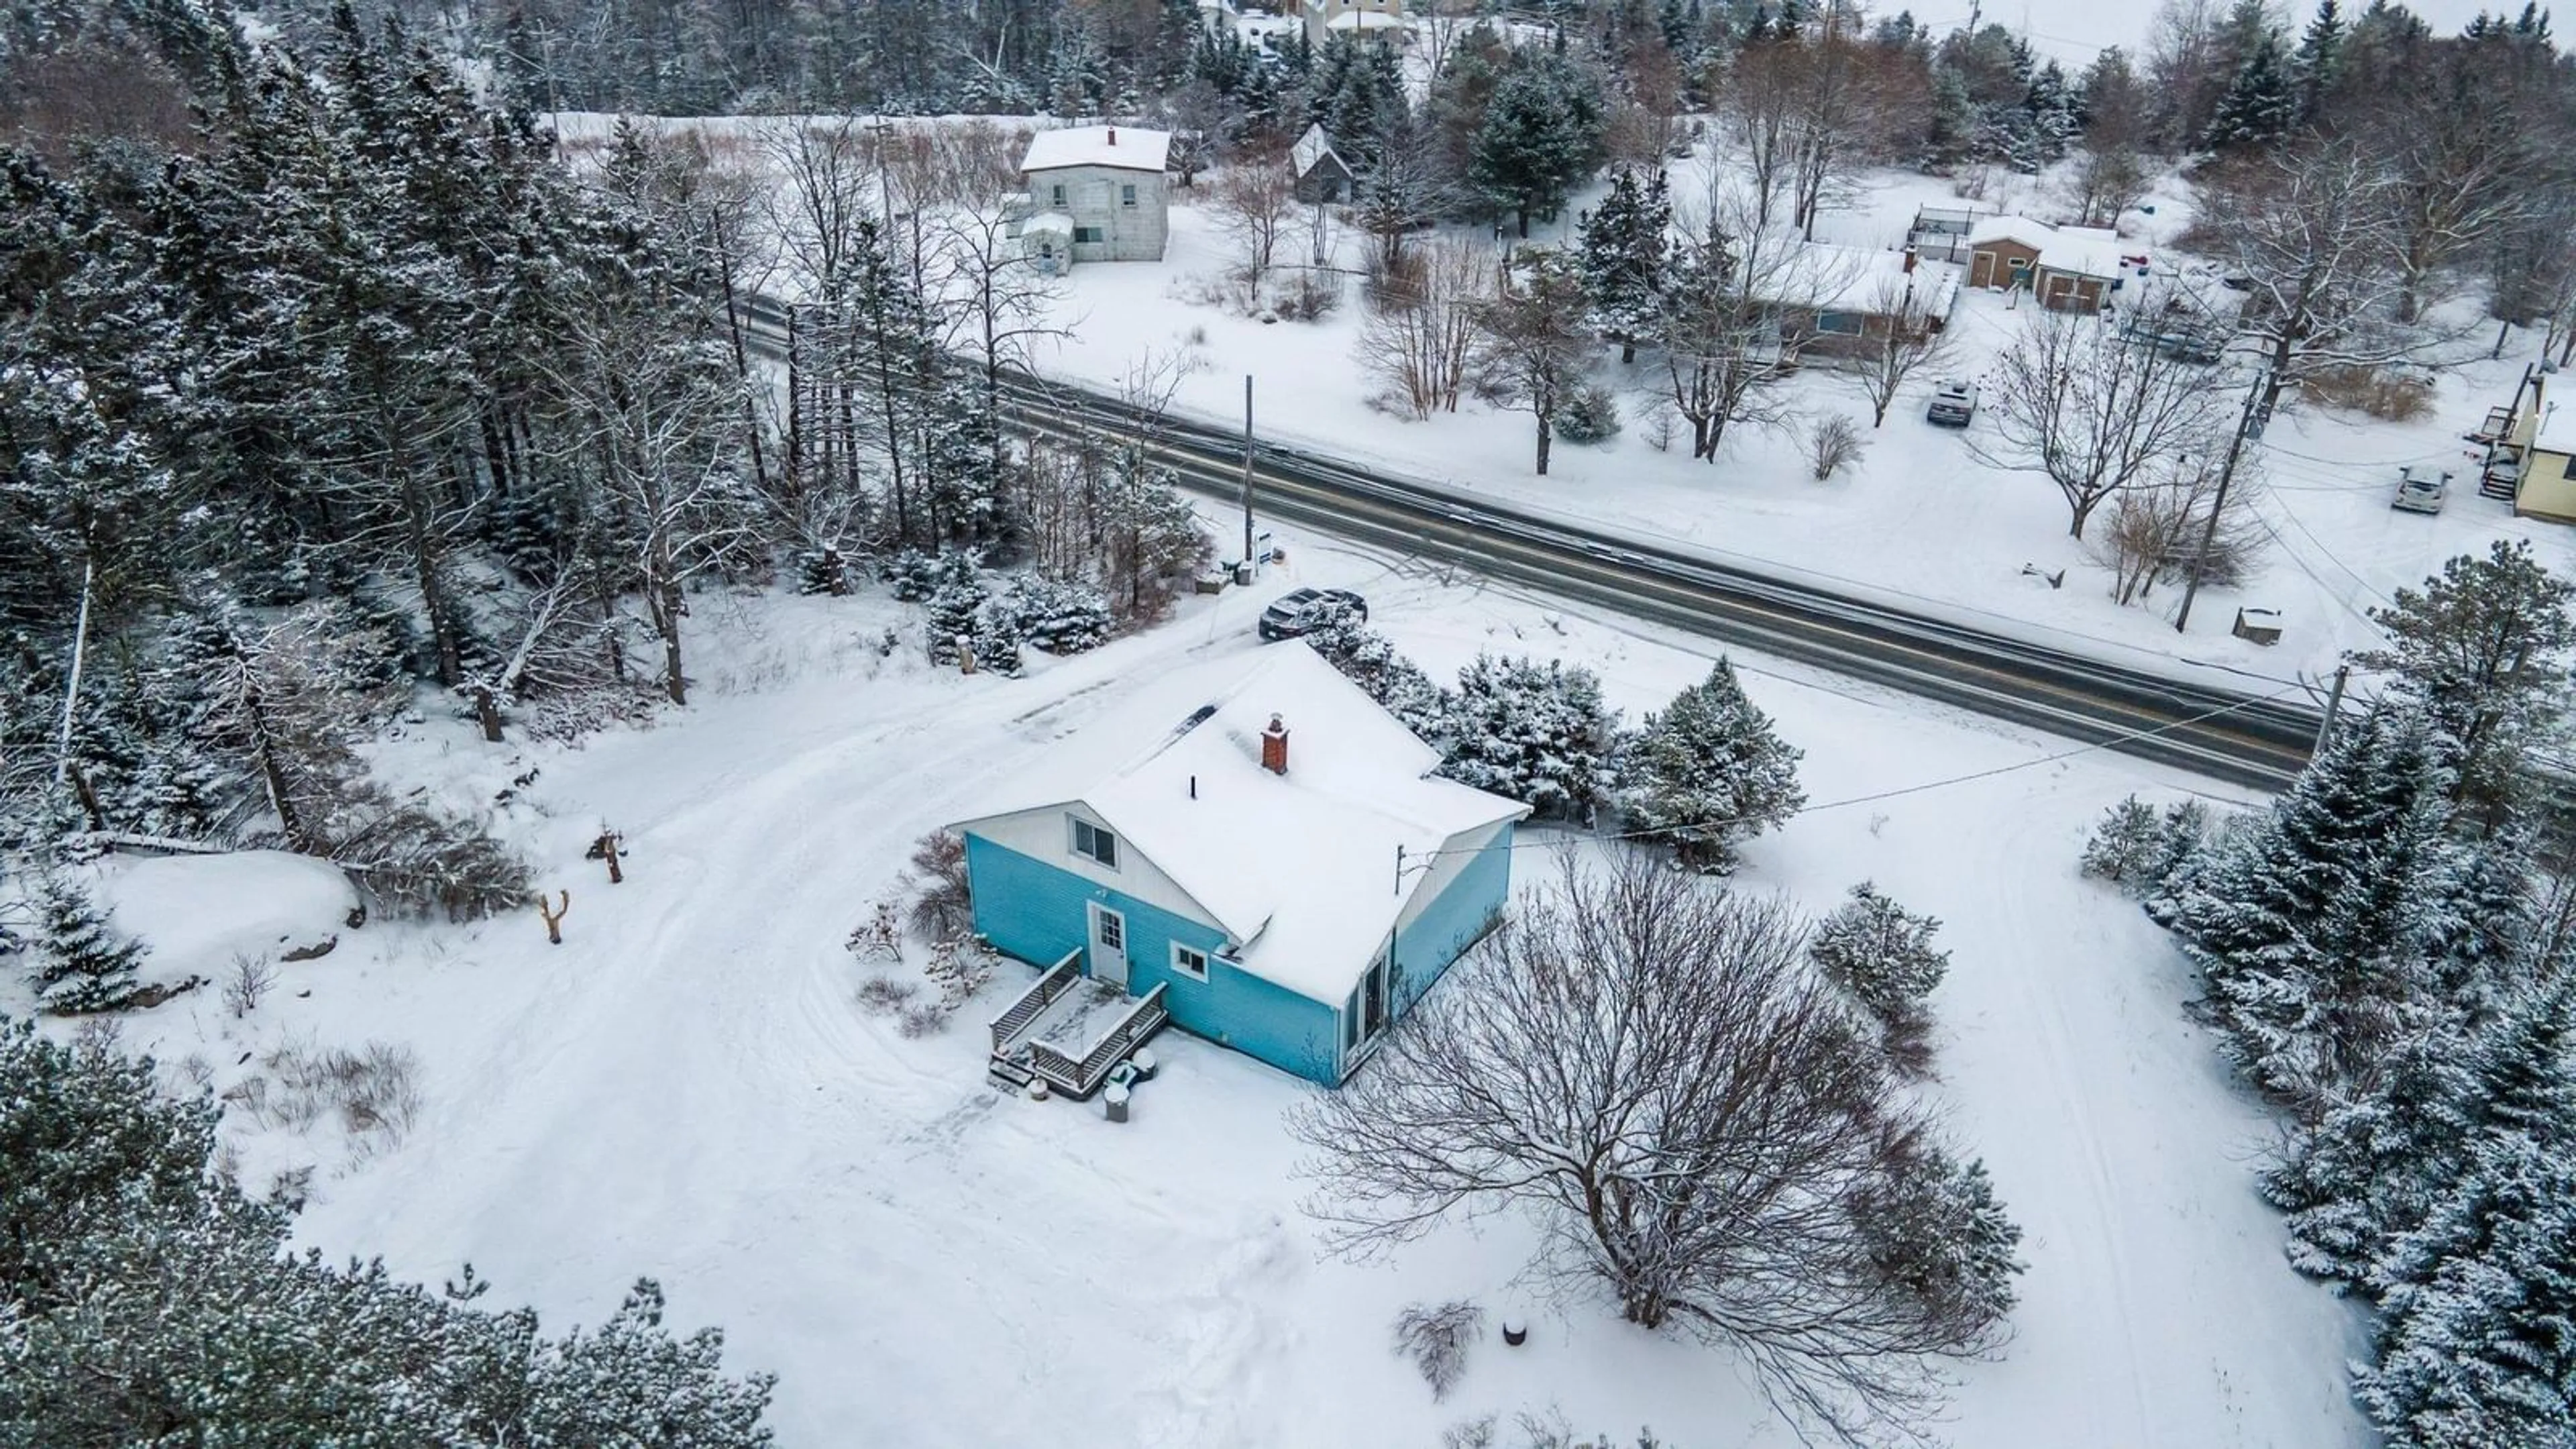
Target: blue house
1257	852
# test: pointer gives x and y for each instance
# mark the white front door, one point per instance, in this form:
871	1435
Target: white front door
1108	945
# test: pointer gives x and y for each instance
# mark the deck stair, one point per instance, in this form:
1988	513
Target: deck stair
1043	1035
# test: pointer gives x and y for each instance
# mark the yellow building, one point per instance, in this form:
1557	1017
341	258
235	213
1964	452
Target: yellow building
2543	438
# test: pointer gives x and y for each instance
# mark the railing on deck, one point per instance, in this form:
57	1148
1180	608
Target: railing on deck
1053	982
1079	1075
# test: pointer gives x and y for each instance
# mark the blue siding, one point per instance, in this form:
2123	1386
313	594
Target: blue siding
1037	913
1464	910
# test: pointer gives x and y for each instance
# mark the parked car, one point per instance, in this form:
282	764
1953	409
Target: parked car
2420	492
1293	614
1953	405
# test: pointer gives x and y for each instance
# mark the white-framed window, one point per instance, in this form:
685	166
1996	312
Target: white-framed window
1057	193
1126	195
1188	962
1089	839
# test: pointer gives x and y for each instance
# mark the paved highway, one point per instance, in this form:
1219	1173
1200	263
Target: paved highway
2243	738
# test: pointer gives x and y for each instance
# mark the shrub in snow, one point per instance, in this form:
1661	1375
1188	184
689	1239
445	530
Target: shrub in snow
924	1020
1707	773
82	963
1436	1340
1369	660
249	984
822	570
2141	850
1834	445
995	638
1059	618
953	612
1933	1232
885	996
1881	955
207	1322
959	968
880	936
943	908
917	575
1538	733
1589	414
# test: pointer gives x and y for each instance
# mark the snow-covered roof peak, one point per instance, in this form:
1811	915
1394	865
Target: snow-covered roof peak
1127	148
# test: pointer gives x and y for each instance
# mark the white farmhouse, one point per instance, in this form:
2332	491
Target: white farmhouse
1099	190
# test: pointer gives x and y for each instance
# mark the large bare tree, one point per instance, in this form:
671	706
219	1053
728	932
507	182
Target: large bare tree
2093	411
1726	294
1911	345
1419	330
1256	207
1649	1068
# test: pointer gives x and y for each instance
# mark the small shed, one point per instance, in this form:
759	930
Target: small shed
1046	239
1322	175
2080	267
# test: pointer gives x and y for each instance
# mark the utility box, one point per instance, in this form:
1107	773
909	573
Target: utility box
2262	626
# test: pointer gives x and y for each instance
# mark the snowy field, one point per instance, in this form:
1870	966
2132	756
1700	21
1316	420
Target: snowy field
1920	523
687	1088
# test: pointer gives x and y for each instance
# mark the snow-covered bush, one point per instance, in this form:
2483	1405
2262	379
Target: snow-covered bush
916	575
822	569
1436	1340
1882	956
1059	618
1589	414
1707	772
885	996
880	936
954	611
1369	660
995	638
1538	733
2138	849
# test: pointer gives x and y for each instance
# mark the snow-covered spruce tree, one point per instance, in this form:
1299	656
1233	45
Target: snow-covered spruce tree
1621	258
1370	660
2312	931
1882	956
1707	773
1540	137
2260	105
2474	1347
2140	850
2376	1168
953	612
1538	733
82	964
1057	617
2486	645
144	1299
1649	1065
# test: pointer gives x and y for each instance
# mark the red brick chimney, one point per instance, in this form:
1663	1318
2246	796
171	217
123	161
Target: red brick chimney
1113	135
1274	747
1909	259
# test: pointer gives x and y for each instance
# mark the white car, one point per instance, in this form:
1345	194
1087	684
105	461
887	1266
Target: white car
2420	492
1953	406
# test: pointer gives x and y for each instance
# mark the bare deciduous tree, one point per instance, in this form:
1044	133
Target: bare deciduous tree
1909	346
1652	1067
2073	400
1720	334
2157	528
1256	206
1532	341
2106	179
1420	329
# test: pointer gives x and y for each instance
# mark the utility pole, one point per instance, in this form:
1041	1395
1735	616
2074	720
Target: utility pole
2334	707
1247	473
2248	424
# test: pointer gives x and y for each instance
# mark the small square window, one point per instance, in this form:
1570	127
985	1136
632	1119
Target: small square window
1187	962
1126	196
1099	844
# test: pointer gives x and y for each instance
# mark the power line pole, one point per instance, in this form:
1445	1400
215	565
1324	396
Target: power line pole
1247	472
2249	424
2334	707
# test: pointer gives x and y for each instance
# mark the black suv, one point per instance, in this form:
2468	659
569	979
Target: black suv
1301	612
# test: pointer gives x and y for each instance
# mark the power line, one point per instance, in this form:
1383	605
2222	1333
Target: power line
1874	797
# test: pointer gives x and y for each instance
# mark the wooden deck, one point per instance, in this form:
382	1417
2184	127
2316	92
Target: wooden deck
1053	1032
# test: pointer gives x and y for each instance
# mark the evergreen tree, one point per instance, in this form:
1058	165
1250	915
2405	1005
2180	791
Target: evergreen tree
82	963
1538	139
2260	105
1882	956
1708	772
1537	733
2485	645
1621	258
2477	1342
2313	66
2311	932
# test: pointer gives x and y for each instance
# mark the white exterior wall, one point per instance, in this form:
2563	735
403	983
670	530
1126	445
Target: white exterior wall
1043	834
1091	195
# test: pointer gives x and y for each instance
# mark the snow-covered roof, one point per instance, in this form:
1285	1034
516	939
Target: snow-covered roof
1128	148
2086	251
1364	20
1831	278
2021	229
1048	221
1300	868
2557	430
1312	147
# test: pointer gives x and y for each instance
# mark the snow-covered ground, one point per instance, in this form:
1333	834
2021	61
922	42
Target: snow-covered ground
1921	522
687	1088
